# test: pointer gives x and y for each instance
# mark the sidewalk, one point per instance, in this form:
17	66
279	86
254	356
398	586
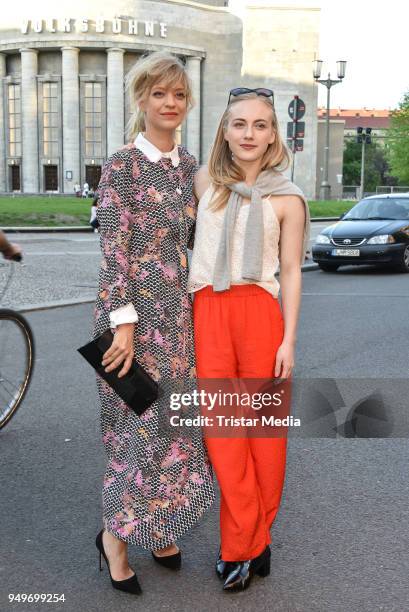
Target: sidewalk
59	269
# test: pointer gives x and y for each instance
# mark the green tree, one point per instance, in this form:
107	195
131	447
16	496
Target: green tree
376	165
399	141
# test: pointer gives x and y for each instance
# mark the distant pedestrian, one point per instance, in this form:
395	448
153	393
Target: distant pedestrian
85	190
93	219
77	190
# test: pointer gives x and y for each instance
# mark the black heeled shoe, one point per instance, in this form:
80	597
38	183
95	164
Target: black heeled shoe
243	571
172	562
129	585
223	568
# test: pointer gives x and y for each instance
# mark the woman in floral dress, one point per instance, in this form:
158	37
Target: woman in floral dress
157	483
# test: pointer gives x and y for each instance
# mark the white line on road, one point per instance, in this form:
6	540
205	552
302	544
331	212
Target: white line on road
374	295
28	253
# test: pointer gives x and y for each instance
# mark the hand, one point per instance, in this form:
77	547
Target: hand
12	251
284	360
121	350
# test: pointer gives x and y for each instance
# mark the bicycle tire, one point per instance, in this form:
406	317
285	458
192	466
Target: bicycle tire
11	315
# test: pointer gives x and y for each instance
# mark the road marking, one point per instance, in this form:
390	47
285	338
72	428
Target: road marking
28	253
377	295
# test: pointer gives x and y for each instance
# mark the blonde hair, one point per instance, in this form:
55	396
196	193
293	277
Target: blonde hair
224	171
149	70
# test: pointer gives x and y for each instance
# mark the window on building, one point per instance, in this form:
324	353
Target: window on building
14	116
92	123
50	119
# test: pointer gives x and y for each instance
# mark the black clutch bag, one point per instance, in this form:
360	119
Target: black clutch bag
137	388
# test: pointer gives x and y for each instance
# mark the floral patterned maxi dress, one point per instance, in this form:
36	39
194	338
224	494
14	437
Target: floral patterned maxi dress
156	486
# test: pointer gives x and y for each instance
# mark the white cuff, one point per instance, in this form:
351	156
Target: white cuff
124	314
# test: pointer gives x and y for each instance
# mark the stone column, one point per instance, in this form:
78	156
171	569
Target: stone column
29	119
115	99
70	117
193	136
3	151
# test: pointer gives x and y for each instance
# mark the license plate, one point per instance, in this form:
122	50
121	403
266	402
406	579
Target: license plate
346	252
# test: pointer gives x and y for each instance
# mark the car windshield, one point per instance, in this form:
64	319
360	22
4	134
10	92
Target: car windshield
379	208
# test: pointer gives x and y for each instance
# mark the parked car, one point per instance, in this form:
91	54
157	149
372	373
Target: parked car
374	231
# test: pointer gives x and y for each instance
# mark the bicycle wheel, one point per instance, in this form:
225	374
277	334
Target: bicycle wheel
16	362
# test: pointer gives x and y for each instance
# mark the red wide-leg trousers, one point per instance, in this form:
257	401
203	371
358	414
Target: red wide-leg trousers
237	334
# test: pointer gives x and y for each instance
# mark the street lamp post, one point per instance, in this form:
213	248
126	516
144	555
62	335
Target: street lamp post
325	187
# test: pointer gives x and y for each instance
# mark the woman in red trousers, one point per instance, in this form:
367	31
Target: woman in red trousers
251	219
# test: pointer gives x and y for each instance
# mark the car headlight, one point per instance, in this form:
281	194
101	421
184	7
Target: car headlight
322	239
382	239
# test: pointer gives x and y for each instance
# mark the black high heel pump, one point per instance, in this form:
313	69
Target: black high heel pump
129	585
243	571
172	562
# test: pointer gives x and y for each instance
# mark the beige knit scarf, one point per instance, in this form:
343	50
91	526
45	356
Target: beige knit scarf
269	182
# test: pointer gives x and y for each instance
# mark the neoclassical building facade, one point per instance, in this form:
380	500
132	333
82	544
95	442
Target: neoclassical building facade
63	106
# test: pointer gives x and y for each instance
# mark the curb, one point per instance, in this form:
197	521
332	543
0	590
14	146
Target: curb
55	304
309	267
89	300
46	230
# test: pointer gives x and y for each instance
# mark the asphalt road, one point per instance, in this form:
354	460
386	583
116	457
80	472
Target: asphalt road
340	540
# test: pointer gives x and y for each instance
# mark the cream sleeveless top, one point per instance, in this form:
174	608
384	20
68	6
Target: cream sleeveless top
207	237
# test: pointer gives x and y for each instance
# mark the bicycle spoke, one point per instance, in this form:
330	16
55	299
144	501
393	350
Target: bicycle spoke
12	395
3	380
4	377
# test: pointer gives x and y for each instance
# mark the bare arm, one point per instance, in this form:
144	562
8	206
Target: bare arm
291	241
201	182
8	248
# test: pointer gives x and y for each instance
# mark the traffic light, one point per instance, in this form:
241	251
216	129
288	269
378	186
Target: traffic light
363	135
368	138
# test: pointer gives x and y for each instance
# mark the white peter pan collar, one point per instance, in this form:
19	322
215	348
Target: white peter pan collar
153	153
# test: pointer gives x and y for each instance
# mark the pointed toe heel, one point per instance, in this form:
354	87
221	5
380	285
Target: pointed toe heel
222	567
242	572
129	585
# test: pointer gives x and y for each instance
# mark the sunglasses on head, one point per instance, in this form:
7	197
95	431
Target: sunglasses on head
260	91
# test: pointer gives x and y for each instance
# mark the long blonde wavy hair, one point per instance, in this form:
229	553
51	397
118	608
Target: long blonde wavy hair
222	168
147	71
